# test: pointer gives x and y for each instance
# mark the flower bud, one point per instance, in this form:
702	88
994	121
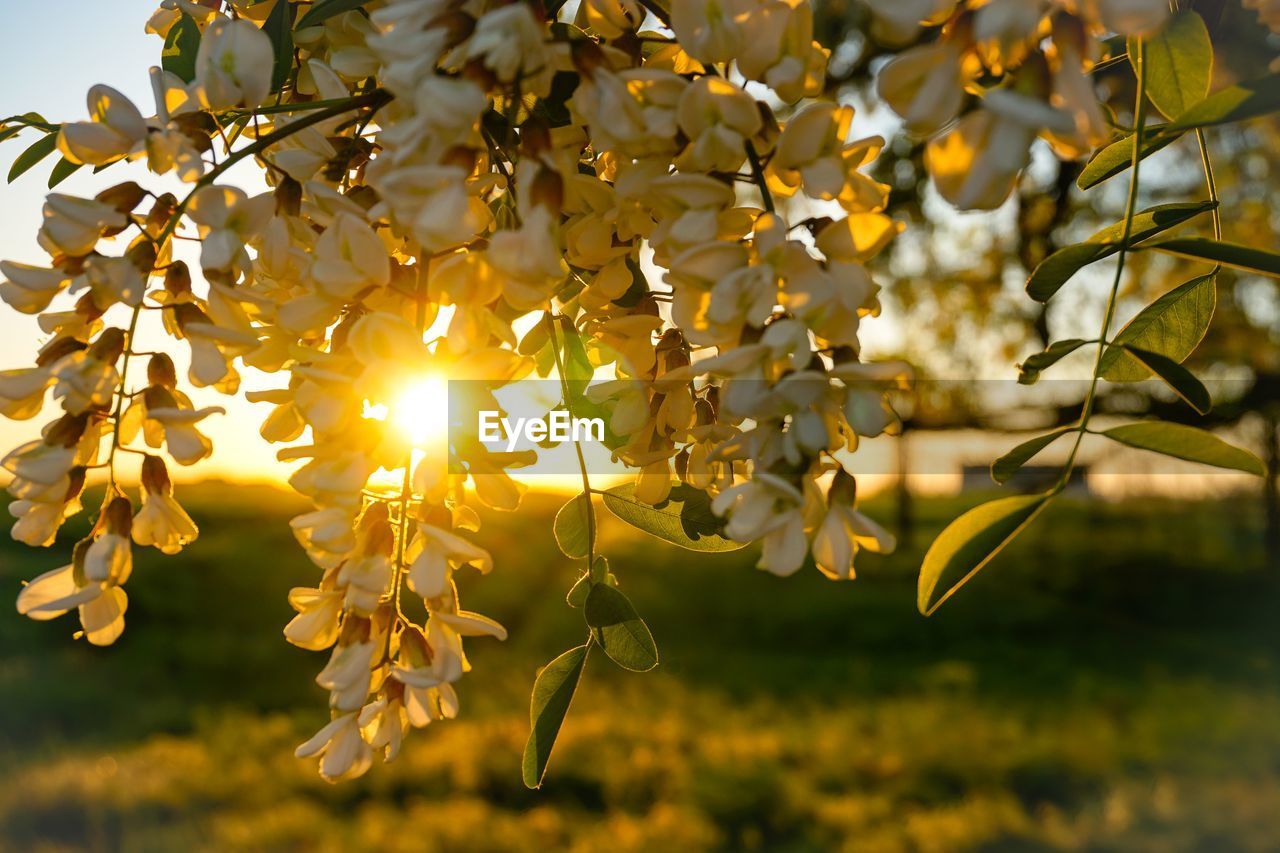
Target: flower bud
379	539
547	190
457	26
160	371
108	347
288	197
161	212
57	349
118	516
177	279
414	648
123	197
355	629
66	431
75	483
587	56
155	476
143	255
844	489
436	515
383	618
187	314
376	514
682	465
158	397
704	412
87	309
78	553
535	137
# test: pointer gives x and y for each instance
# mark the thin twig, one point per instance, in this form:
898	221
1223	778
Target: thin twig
1131	206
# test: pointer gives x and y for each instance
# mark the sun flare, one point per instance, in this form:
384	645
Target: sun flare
421	412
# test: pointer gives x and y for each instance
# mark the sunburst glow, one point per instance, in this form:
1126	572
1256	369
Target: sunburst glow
421	412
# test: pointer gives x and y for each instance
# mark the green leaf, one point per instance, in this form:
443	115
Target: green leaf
1179	62
1029	370
552	693
969	543
1187	442
1006	466
180	47
577	595
40	149
684	519
1118	156
1177	377
10	131
1240	102
620	631
62	170
1172	326
1055	270
326	9
599	573
279	28
573	530
577	366
1248	258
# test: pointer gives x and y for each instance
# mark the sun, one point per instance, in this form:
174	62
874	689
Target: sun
421	412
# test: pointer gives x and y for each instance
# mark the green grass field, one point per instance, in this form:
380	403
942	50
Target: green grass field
1111	684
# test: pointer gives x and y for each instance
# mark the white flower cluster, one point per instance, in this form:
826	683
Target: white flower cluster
473	168
1028	60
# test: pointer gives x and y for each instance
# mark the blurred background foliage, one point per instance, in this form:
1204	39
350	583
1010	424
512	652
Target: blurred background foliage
1111	684
953	282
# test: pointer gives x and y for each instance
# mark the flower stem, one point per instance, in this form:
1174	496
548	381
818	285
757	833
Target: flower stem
406	484
757	172
1137	57
1215	215
587	491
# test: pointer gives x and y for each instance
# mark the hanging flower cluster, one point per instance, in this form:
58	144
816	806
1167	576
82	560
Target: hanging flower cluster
1028	61
485	190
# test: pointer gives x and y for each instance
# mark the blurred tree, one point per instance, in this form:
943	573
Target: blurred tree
955	280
